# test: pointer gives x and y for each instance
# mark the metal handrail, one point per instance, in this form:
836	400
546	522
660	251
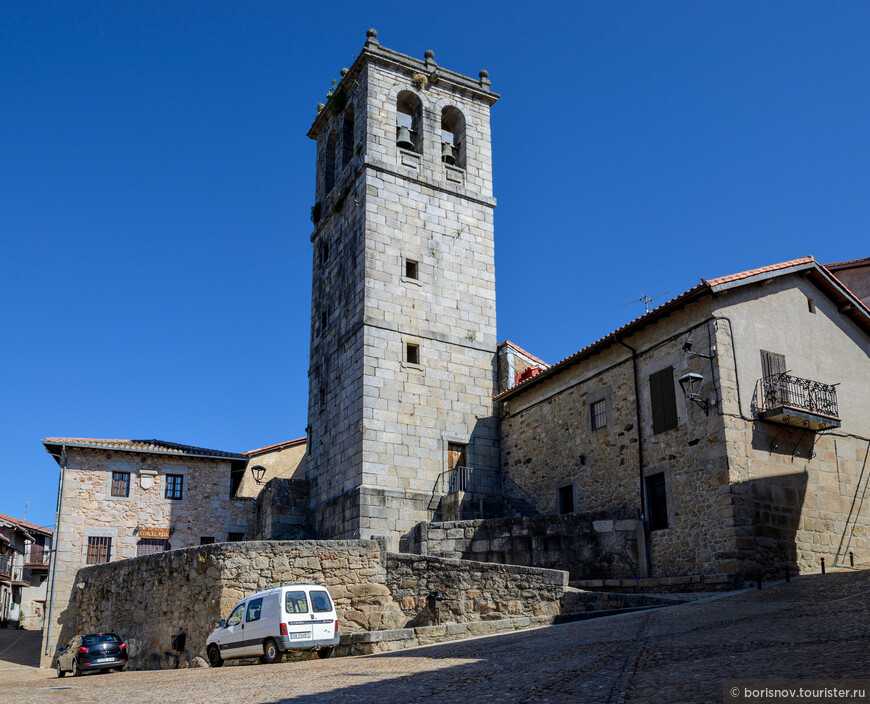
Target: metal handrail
804	394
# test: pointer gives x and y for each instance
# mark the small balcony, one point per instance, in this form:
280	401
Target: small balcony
802	403
12	573
37	557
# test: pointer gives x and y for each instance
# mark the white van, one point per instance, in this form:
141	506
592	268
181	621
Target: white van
294	616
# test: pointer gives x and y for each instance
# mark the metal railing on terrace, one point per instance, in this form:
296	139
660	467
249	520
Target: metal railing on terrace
782	390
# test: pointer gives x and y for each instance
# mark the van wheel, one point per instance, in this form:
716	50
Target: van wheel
326	652
214	656
271	652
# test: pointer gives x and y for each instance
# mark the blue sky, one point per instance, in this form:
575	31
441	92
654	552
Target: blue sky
156	181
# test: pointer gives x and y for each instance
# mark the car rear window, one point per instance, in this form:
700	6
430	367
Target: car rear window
100	638
295	603
320	602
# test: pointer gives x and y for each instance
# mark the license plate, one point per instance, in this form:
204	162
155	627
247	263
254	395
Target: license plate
301	635
104	660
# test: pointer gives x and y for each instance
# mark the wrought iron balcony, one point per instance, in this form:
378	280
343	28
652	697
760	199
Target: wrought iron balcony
803	403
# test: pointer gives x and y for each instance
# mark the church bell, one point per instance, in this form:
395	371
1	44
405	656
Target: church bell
404	139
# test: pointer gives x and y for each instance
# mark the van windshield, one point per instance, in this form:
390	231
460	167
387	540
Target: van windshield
295	603
320	602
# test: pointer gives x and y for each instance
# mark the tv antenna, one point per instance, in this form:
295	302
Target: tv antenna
646	300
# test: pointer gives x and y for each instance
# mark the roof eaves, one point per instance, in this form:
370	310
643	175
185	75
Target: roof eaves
172	449
629	328
277	446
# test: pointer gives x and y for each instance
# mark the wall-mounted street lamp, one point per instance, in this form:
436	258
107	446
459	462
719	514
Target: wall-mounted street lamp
687	348
691	385
257	472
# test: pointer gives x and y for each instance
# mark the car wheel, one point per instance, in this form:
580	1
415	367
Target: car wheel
271	652
76	672
326	652
60	673
214	656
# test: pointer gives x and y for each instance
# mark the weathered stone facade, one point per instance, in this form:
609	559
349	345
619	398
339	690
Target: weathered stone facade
403	258
282	510
743	494
123	524
152	598
285	460
586	545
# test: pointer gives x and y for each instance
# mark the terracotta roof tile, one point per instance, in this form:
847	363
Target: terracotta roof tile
25	524
277	446
754	272
158	446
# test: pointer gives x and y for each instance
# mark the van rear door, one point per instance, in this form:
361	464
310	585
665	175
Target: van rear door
298	616
324	614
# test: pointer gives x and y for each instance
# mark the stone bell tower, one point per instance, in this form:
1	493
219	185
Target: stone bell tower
403	333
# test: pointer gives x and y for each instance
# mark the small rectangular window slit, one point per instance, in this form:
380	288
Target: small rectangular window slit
412	354
411	269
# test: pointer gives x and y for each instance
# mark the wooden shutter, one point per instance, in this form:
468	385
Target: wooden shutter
663	400
772	363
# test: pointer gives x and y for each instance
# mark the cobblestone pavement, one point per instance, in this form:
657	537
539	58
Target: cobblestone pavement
814	627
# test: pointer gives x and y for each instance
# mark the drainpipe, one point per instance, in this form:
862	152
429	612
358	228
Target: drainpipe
62	460
643	521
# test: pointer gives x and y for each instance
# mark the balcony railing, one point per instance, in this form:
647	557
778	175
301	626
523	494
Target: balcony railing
794	401
15	573
37	556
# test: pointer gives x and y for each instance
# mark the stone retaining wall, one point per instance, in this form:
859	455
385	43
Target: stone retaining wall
149	599
471	591
588	546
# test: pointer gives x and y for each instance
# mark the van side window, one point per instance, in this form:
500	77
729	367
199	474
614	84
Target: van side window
295	603
255	606
320	602
236	616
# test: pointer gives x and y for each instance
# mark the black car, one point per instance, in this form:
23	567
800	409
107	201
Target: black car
97	651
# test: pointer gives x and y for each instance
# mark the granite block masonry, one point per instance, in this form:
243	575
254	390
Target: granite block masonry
403	331
150	599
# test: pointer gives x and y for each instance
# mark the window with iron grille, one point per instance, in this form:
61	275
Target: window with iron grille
120	483
148	546
598	411
233	537
99	550
206	540
174	486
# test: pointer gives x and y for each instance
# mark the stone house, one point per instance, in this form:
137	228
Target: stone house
126	498
24	549
733	419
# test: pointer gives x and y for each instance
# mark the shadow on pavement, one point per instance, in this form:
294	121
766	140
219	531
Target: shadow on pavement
19	648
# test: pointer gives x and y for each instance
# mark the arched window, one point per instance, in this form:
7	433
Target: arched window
347	138
409	111
453	136
329	166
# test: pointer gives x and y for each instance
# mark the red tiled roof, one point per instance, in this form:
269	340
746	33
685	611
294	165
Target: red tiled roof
706	286
508	343
278	446
25	524
155	446
754	272
851	264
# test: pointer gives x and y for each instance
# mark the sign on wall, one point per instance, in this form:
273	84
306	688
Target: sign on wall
153	532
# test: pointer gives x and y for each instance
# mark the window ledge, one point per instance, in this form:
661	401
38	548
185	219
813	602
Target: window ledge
416	282
411	365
